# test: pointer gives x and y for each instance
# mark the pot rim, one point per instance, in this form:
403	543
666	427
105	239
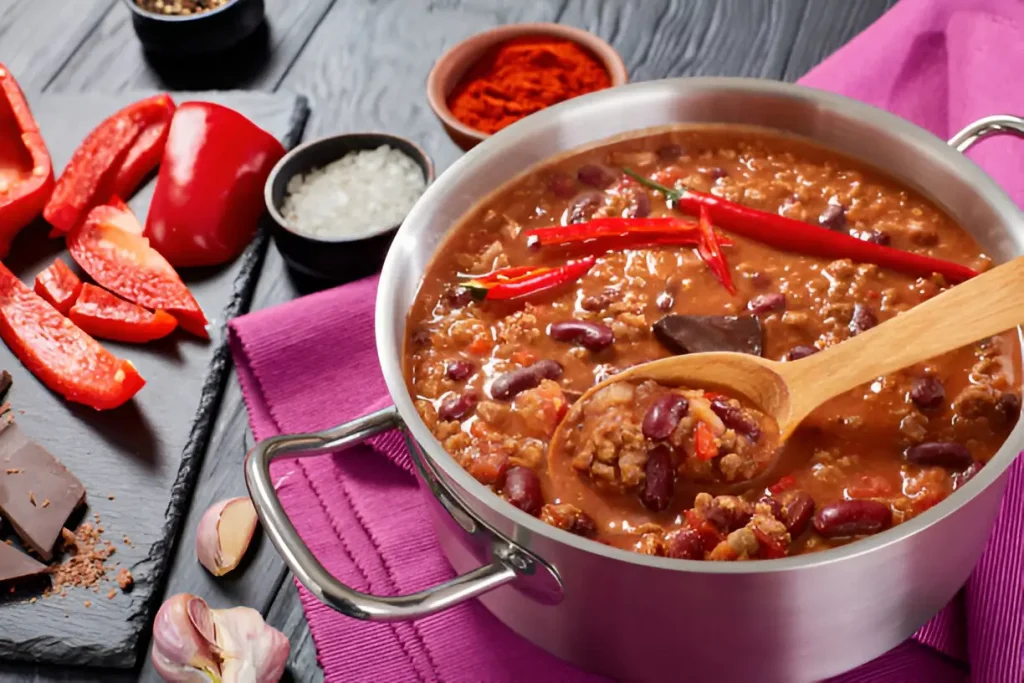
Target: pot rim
390	357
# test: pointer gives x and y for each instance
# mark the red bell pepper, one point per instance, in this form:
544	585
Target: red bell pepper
26	174
99	168
209	193
58	285
519	281
711	252
59	354
125	264
108	316
704	445
789	234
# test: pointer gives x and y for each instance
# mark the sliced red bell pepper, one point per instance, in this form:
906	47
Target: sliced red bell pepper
144	155
514	282
108	316
118	214
59	285
209	194
125	264
98	168
59	354
704	445
803	238
711	252
26	174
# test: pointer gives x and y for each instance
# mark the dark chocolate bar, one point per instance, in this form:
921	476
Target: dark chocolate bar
37	493
15	564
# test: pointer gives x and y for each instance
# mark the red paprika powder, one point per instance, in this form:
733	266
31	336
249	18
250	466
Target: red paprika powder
522	76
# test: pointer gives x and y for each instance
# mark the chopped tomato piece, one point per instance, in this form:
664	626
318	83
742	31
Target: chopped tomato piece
771	548
709	534
108	316
125	264
869	486
58	285
783	484
481	344
489	466
62	356
523	357
542	408
704	442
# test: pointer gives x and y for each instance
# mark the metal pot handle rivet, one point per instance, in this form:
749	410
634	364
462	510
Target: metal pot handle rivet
1000	124
508	561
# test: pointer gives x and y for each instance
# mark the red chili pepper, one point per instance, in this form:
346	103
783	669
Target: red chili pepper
58	285
27	178
125	264
59	354
497	287
783	484
145	153
108	316
803	238
673	230
704	444
209	194
711	252
770	548
503	274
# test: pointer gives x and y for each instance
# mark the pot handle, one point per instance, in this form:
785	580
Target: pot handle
1000	124
508	560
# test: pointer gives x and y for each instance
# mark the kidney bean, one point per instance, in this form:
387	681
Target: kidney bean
660	479
852	518
562	185
802	351
662	418
583	525
717	172
522	489
862	320
458	296
459	370
670	152
833	217
1008	407
596	175
421	337
583	207
797	510
774	505
593	336
765	303
640	207
684	544
946	454
665	301
457	407
728	513
736	419
927	392
961	478
512	383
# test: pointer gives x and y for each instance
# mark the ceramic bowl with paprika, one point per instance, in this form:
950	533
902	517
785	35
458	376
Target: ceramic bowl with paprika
454	64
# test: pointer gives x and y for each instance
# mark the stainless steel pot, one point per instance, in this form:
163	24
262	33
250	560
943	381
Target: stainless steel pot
636	617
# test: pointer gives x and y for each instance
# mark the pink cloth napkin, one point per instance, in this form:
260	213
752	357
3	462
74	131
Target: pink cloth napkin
311	364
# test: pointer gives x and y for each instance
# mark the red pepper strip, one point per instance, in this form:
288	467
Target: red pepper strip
125	264
540	280
108	316
26	174
59	354
144	155
704	442
58	285
117	214
770	548
803	238
711	251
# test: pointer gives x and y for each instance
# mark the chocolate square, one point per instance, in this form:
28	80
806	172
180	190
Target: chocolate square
15	564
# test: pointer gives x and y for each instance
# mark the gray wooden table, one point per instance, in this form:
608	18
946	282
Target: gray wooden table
363	66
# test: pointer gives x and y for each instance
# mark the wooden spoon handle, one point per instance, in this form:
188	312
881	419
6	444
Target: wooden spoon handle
980	307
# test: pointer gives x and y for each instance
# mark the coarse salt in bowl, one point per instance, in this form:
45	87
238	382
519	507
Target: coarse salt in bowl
337	202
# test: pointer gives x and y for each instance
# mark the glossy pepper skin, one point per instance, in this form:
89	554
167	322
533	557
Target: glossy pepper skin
59	354
108	316
209	193
123	262
26	173
111	161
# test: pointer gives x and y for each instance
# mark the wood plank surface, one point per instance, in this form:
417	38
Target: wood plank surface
363	65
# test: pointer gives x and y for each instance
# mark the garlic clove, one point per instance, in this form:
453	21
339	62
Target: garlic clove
251	651
181	652
224	534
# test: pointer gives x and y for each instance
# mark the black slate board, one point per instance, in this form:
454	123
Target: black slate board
145	455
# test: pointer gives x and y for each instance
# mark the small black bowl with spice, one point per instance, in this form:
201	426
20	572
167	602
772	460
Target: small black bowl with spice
194	27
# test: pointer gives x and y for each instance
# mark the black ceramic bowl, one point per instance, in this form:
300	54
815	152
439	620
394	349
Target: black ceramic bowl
213	31
342	258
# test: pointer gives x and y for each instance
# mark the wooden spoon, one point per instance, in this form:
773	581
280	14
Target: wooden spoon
788	392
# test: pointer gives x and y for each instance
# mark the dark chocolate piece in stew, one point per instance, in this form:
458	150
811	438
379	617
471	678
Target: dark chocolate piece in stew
703	333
